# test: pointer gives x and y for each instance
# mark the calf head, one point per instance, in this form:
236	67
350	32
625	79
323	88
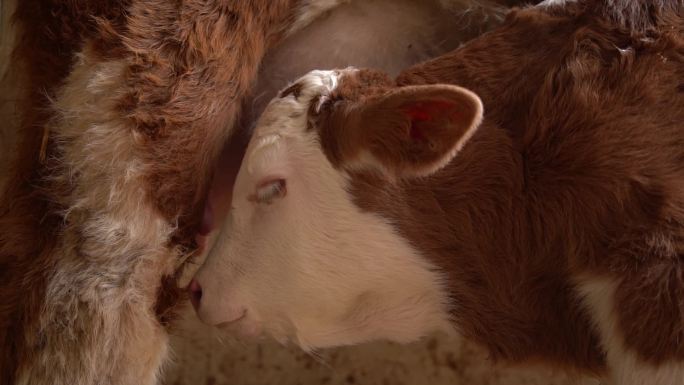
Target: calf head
296	258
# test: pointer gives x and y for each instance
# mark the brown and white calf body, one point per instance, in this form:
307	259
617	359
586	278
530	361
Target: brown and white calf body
125	109
538	211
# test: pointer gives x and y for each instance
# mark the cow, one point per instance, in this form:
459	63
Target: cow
126	107
525	190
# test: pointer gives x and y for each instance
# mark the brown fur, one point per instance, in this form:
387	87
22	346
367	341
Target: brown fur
413	127
576	172
187	68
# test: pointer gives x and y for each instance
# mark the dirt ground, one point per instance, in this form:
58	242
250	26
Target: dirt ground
202	356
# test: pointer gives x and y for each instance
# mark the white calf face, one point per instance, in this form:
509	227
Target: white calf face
298	260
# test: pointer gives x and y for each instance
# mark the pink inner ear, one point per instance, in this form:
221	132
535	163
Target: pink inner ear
418	112
427	111
416	133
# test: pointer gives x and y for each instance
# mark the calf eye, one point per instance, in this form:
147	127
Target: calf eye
270	190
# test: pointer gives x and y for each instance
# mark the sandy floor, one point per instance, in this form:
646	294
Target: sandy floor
201	358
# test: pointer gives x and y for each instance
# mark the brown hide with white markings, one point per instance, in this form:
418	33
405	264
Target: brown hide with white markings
554	230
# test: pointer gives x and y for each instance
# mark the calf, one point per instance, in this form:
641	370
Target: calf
549	227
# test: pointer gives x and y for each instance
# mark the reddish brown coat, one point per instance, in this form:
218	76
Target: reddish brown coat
577	171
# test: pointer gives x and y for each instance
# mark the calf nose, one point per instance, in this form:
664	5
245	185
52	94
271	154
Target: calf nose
195	293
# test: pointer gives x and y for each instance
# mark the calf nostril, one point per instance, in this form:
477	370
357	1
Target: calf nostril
195	293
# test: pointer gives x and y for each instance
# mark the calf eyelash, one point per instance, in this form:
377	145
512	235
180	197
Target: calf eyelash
271	190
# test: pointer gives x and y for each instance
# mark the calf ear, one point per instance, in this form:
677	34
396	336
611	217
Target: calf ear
410	131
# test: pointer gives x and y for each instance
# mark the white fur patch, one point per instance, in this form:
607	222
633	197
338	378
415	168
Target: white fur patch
312	267
98	323
624	366
554	3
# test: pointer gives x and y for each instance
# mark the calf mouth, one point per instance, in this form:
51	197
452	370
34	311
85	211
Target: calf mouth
228	324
